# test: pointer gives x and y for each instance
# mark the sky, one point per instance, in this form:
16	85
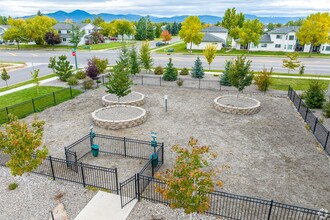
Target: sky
167	8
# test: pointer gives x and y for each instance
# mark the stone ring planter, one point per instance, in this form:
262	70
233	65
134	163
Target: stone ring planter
134	98
237	105
119	116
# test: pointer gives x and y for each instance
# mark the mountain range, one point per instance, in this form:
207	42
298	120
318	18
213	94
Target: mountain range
80	15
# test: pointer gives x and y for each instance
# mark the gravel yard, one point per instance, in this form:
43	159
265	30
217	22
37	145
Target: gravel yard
119	113
270	155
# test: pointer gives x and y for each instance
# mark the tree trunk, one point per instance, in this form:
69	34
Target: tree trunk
17	45
311	49
209	66
6	83
190	47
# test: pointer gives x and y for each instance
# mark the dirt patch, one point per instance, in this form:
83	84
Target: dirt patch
271	155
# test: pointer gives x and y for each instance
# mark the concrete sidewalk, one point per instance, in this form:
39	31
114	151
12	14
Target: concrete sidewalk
105	206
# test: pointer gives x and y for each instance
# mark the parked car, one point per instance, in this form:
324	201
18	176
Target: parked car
160	43
113	38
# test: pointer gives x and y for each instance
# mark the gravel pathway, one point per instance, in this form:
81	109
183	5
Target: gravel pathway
271	155
130	97
36	195
119	113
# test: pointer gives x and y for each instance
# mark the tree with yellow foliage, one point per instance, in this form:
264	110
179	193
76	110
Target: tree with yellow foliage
191	31
209	53
37	27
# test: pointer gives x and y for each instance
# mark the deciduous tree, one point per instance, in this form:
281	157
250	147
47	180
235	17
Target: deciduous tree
16	32
263	79
240	74
251	32
292	63
123	27
34	76
166	36
51	38
5	76
98	20
190	182
37	27
315	30
145	56
23	144
190	32
232	21
210	53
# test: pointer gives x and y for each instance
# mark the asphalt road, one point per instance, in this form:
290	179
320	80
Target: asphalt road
40	59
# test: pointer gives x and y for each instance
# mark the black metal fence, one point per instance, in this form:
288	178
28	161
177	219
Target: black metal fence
123	146
85	174
38	104
318	129
234	206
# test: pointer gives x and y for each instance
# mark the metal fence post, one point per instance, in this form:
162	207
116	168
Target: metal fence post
7	113
117	186
289	90
142	79
34	107
51	166
316	121
125	146
199	83
82	174
54	98
326	140
103	79
138	186
305	118
71	92
294	95
160	81
152	168
299	104
270	209
162	153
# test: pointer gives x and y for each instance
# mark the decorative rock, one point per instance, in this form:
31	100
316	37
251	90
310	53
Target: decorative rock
59	213
134	98
119	116
248	107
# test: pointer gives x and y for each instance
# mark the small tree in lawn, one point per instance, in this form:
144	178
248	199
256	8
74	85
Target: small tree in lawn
145	56
23	144
134	64
301	70
197	71
224	79
52	63
166	36
5	76
63	68
263	79
119	81
240	74
292	63
170	72
34	76
209	53
191	180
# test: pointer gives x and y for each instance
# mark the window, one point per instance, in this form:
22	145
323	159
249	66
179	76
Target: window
59	32
323	48
327	48
278	36
285	47
277	45
290	47
64	39
263	45
69	32
253	46
291	37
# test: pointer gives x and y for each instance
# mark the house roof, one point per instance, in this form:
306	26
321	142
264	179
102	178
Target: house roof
215	29
284	30
211	38
266	39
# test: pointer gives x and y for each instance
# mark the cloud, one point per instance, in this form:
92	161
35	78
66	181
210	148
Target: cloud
167	8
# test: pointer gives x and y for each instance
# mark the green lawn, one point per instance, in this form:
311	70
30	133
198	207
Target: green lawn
25	83
34	47
181	48
296	84
20	103
110	45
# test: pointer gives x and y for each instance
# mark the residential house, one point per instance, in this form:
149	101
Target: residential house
214	35
65	31
3	28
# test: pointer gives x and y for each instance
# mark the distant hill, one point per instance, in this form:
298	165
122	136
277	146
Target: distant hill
79	15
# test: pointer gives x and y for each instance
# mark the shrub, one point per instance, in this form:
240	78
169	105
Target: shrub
184	72
12	186
263	80
170	72
326	109
224	80
315	96
63	68
80	74
159	70
72	81
197	71
88	83
92	71
179	82
101	64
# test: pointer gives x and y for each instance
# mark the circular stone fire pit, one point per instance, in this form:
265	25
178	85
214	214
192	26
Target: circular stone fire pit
237	105
119	116
134	98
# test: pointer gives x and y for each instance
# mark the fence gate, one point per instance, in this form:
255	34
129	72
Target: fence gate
71	160
128	191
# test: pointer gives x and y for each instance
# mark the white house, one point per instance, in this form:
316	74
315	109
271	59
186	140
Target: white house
214	35
65	30
3	28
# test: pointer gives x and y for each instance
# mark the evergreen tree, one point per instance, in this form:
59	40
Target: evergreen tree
5	76
179	26
168	27
119	81
175	29
134	63
197	71
150	29
124	56
224	79
63	68
141	29
158	30
170	72
315	96
145	56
